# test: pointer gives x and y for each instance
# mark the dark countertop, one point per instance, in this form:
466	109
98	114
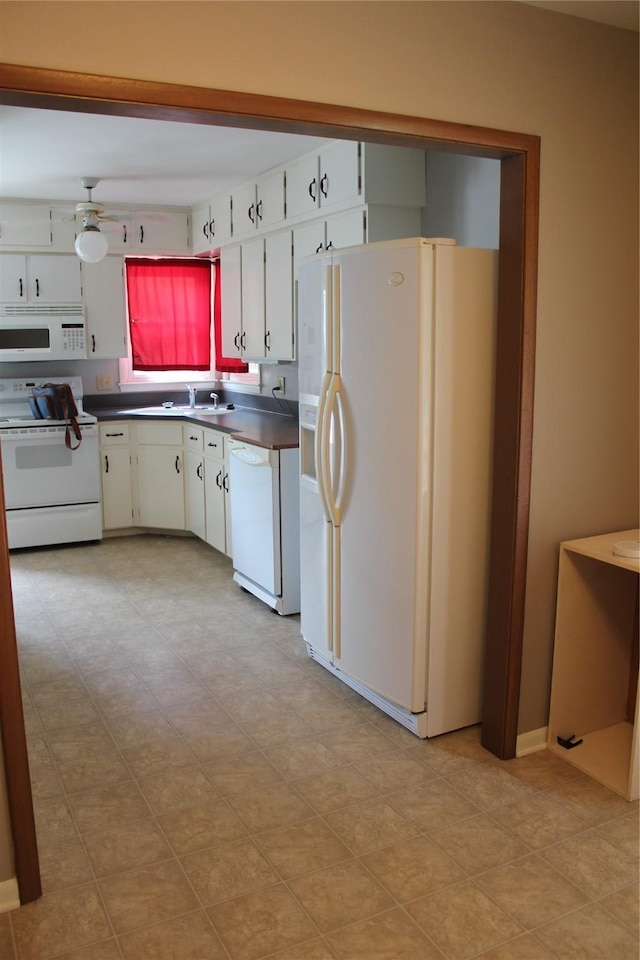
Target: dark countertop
275	431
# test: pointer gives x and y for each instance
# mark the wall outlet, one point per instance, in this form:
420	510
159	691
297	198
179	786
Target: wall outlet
104	381
279	387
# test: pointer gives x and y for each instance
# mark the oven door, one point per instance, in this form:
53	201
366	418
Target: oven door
39	470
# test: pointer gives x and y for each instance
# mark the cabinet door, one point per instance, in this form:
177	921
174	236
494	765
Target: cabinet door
195	494
104	302
303	189
270	199
339	173
120	231
13	278
346	229
307	240
200	219
161	487
231	299
25	225
162	231
215	519
278	336
243	209
220	219
54	278
117	499
253	330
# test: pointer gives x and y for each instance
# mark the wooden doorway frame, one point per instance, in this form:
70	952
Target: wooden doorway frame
519	156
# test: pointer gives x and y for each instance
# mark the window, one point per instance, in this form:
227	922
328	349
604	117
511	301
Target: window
174	326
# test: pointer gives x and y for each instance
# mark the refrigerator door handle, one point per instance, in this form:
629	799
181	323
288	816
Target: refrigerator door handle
332	407
321	428
342	461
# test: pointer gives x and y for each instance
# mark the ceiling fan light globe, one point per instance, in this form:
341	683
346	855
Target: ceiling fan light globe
91	245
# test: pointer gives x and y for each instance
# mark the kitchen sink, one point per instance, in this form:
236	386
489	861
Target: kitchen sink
177	411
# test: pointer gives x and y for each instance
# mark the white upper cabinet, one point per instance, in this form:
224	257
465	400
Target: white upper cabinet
147	231
25	225
211	223
104	303
257	298
43	278
346	173
231	299
258	205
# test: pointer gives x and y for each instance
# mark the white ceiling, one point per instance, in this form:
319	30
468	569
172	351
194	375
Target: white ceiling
45	153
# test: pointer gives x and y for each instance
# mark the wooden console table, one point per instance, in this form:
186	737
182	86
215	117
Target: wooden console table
594	690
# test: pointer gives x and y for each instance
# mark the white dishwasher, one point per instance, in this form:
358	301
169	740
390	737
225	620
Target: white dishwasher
265	523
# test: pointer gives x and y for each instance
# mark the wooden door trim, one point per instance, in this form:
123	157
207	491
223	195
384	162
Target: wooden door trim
519	154
14	740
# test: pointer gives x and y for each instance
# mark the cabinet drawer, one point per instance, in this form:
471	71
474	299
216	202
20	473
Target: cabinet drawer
193	438
161	433
213	444
114	434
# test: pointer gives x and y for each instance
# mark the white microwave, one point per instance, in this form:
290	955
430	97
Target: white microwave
43	336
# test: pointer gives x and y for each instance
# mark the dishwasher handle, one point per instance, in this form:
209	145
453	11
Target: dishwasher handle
252	455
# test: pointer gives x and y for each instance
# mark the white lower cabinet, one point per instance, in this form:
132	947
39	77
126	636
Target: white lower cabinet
216	492
195	489
207	487
116	475
160	475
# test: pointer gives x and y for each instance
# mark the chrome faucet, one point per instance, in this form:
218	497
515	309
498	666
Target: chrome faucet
192	394
215	398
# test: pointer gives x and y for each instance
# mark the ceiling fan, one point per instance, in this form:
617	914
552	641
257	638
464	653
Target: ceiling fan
91	245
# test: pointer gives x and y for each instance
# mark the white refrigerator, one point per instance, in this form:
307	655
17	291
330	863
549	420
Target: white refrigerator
396	352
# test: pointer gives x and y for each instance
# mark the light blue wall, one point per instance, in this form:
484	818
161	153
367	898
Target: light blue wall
463	199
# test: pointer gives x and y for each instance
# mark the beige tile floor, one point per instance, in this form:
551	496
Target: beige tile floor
204	791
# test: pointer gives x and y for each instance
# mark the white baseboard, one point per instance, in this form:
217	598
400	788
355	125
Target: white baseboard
532	742
9	896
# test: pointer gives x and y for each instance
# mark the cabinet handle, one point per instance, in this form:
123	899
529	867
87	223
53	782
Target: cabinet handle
225	482
199	471
141	234
106	463
93	343
250	213
178	464
37	287
324	184
193	438
219	479
20	286
205	230
330	244
212	228
243	339
210	444
236	340
267	340
259	210
319	248
124	233
312	190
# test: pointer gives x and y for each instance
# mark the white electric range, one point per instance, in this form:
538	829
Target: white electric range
52	493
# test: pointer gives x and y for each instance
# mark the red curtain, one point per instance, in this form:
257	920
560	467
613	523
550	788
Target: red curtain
223	364
169	314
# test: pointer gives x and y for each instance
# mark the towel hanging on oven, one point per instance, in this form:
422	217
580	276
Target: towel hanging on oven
54	401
